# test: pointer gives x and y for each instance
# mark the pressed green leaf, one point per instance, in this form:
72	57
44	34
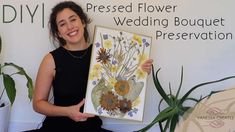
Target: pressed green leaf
97	93
202	84
135	89
9	85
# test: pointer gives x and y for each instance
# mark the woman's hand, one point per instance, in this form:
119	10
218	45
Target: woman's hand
147	66
76	115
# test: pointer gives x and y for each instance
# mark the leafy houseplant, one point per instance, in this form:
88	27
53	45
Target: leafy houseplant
9	83
175	104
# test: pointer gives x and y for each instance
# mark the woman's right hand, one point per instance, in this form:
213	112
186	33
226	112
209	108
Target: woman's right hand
76	115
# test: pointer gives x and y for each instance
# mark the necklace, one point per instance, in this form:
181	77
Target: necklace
78	57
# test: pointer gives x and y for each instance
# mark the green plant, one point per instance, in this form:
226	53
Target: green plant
175	105
9	83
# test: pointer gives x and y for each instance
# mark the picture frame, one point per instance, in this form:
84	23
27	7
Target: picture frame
116	84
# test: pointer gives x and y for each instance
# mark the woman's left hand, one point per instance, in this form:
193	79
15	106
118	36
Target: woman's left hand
147	66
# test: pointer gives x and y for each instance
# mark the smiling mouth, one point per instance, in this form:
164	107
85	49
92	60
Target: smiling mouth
71	34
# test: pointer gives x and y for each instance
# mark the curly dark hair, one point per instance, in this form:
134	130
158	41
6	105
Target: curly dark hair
53	27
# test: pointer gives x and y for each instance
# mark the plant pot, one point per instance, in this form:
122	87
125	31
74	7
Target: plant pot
4	116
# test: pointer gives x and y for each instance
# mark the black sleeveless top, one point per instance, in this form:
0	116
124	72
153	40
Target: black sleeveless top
69	88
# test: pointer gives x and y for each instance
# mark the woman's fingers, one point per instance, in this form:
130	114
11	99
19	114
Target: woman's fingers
81	103
147	65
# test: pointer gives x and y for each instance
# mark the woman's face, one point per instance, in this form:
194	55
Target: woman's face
70	26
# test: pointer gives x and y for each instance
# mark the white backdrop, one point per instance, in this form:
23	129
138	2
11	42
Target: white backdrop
23	28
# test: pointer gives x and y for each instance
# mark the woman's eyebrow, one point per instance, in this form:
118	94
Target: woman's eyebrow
70	17
60	21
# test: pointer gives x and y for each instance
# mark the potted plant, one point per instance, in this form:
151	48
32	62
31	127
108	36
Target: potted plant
10	89
175	107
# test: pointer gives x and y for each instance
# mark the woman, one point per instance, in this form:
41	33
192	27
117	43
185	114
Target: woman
66	70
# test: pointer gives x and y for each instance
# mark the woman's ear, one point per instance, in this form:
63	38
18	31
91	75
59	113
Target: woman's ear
59	35
83	23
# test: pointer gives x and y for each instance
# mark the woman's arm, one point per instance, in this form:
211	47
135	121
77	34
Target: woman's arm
43	85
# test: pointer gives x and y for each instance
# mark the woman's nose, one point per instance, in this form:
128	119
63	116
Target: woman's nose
70	26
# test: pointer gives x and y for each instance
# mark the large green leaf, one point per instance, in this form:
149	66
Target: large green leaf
9	85
159	87
168	121
30	87
165	114
175	109
22	72
202	84
9	82
174	121
181	82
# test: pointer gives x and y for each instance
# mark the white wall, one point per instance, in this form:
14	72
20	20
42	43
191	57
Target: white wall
25	43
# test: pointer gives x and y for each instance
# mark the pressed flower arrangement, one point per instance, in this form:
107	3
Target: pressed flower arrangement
9	83
116	79
170	116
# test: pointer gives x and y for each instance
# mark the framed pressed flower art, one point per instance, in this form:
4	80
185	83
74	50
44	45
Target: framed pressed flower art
116	85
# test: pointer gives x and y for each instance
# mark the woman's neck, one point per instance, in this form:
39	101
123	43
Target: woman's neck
75	47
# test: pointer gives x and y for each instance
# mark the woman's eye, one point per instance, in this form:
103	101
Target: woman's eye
62	24
73	20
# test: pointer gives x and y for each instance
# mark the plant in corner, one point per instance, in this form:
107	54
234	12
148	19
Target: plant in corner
175	105
9	83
